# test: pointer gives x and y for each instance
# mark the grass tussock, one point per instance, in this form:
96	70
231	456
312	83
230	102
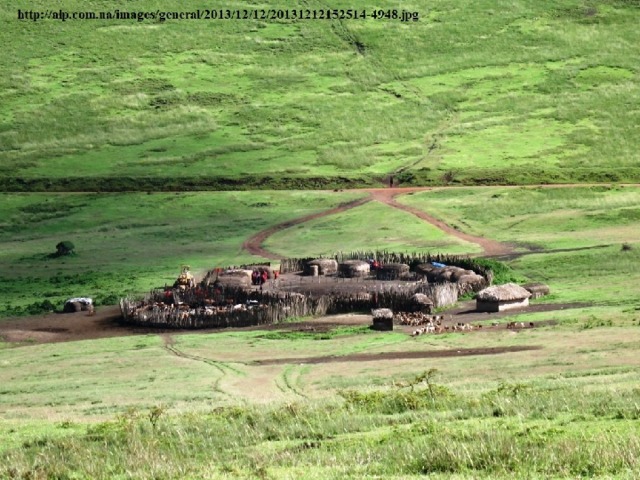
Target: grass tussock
411	429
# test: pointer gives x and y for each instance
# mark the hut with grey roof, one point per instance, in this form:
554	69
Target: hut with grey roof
502	297
354	268
324	266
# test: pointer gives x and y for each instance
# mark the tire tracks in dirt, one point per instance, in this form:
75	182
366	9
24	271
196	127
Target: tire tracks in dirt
223	370
290	377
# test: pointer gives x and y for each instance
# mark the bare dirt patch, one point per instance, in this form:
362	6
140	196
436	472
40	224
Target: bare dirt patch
374	357
106	323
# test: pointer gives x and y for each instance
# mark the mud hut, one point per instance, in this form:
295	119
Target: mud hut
502	297
537	290
326	266
382	319
234	278
421	303
392	271
354	268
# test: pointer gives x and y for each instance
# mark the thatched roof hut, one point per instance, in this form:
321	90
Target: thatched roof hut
392	271
326	266
354	268
382	319
537	290
450	273
502	297
422	303
234	278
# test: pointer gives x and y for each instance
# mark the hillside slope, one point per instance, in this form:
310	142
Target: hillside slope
481	92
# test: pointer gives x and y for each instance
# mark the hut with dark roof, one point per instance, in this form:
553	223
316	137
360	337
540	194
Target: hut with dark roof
502	297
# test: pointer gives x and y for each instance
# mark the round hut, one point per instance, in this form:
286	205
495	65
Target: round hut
326	266
392	271
354	268
234	278
382	319
502	297
421	303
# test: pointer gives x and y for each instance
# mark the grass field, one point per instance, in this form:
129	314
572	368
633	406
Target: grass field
474	93
544	92
372	226
541	413
128	243
578	232
138	410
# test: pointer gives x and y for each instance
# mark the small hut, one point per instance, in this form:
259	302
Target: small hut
502	297
421	303
77	305
537	290
234	278
354	268
325	266
382	319
392	271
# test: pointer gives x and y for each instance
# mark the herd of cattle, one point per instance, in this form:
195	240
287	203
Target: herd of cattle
428	323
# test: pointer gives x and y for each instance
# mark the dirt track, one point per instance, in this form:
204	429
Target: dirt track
383	195
254	244
70	327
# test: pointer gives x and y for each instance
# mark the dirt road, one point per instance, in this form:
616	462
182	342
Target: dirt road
383	195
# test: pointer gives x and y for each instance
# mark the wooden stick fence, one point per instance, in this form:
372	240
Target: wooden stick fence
190	309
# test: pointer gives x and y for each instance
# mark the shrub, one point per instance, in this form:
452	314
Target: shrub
65	248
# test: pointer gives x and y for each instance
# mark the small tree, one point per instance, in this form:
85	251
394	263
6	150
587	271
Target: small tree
65	248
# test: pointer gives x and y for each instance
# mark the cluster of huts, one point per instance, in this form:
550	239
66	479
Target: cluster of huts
218	299
433	272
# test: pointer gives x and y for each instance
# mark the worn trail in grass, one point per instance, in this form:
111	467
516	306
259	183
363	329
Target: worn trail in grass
255	244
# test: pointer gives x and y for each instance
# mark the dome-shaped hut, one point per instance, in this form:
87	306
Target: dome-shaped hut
354	268
392	271
421	303
325	266
502	297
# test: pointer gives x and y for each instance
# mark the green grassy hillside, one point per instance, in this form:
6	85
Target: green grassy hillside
489	92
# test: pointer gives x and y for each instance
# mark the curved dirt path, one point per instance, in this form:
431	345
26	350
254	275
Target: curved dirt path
489	247
383	195
254	244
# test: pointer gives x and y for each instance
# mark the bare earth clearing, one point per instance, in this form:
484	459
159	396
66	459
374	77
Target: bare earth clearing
105	323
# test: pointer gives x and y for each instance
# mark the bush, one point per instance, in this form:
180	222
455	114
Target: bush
65	248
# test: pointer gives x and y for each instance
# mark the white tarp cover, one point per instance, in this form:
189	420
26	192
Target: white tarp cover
83	300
